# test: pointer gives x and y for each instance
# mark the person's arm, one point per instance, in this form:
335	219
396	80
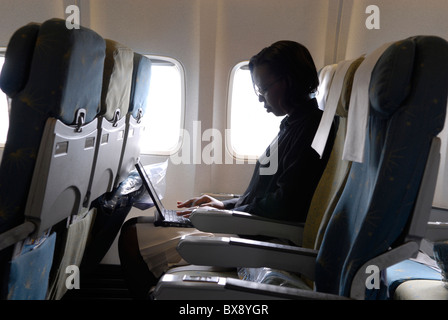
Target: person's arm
230	203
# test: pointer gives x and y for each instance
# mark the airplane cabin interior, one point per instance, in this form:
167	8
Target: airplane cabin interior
92	91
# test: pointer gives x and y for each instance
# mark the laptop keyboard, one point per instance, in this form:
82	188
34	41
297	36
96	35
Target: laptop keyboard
171	215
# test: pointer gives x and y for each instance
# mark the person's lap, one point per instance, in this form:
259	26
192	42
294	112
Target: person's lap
147	252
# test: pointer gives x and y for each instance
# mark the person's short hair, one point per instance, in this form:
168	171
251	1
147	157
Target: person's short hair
292	61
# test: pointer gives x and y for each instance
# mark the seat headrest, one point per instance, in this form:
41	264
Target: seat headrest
344	99
341	81
141	76
19	53
65	69
390	81
325	78
117	78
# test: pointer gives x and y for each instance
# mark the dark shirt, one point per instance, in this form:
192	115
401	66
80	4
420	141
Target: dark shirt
286	195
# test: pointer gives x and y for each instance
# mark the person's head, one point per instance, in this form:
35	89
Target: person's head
284	76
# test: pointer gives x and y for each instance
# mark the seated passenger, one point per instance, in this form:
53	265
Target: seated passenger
285	79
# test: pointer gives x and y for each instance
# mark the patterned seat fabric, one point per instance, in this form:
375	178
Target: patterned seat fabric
115	94
408	97
49	71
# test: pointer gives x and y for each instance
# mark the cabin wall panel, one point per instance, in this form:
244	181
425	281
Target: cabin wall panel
398	19
16	13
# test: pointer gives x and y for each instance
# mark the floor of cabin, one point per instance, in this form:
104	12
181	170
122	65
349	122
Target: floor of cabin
106	282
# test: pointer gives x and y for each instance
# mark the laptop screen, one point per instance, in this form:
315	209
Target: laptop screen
151	190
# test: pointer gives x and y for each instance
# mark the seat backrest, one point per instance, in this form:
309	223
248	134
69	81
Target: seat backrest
109	218
115	96
141	76
50	72
340	167
53	76
334	175
408	97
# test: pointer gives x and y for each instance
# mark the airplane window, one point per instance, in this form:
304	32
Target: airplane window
252	129
165	108
4	114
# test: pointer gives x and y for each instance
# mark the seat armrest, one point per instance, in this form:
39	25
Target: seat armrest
16	234
242	223
174	287
230	252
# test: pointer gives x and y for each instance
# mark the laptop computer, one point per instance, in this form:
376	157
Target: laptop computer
163	217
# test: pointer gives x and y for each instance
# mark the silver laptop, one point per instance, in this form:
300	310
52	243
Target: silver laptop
163	217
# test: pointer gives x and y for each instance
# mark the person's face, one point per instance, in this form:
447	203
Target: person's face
270	89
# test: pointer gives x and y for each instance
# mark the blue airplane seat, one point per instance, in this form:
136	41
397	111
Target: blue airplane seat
115	96
113	207
405	271
33	75
408	91
53	78
141	77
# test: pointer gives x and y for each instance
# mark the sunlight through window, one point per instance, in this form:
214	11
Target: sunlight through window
251	128
4	114
163	116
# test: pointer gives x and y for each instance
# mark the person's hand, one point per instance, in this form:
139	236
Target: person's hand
196	202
